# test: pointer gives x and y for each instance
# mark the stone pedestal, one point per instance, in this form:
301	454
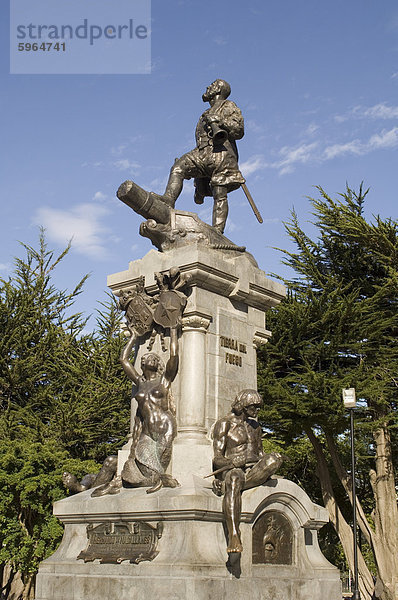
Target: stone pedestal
191	563
223	323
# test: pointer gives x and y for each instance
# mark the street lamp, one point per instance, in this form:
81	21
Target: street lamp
349	400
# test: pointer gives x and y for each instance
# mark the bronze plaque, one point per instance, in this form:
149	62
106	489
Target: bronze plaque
272	540
115	542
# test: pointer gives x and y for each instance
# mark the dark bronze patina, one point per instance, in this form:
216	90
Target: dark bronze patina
214	161
272	538
155	425
181	227
239	462
162	310
214	166
115	542
91	480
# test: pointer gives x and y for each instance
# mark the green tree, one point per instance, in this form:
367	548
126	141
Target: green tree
338	328
64	405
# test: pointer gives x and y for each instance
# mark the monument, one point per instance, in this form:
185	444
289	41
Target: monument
193	509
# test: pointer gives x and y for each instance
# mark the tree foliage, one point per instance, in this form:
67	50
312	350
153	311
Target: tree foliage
64	403
338	328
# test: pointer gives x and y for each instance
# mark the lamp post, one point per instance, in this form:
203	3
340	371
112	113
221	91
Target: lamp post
349	400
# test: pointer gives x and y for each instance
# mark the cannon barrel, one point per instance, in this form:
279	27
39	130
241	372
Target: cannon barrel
146	204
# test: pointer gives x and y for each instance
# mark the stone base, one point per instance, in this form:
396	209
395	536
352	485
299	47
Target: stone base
200	585
191	561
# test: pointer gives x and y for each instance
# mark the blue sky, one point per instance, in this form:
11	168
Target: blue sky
317	83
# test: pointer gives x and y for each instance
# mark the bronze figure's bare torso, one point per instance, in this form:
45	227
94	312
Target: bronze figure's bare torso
155	424
239	460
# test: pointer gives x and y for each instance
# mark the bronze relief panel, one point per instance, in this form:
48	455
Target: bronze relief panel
272	539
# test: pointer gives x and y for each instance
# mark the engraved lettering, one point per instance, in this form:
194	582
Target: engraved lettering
232	344
233	359
114	542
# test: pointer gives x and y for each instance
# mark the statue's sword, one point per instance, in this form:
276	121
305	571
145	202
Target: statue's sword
251	202
244	187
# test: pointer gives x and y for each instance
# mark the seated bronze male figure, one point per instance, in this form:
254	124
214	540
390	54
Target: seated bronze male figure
239	460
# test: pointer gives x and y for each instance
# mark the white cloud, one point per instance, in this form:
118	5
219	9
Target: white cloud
394	75
117	150
311	129
120	148
157	185
5	266
353	147
206	211
378	111
386	139
99	196
124	164
82	223
99	164
381	111
378	141
253	164
291	156
231	226
252	125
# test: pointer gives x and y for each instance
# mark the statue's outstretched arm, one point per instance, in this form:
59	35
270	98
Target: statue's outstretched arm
125	358
172	363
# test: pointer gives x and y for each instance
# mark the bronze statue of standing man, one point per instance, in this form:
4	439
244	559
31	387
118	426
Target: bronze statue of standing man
239	460
214	161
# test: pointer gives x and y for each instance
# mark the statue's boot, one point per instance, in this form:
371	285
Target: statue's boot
174	186
220	212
